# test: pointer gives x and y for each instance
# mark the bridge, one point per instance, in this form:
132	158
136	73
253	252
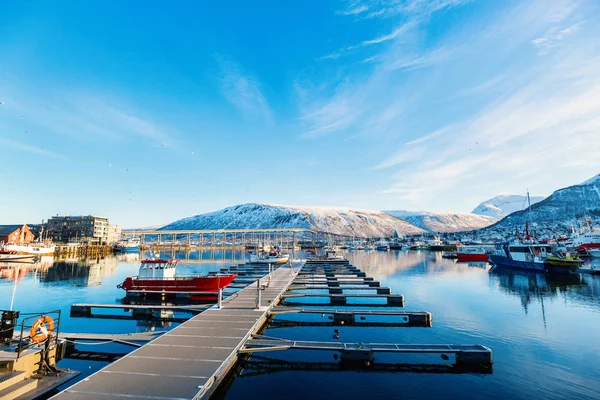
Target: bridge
230	237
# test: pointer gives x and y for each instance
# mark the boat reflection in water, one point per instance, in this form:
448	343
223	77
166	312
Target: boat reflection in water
531	286
15	270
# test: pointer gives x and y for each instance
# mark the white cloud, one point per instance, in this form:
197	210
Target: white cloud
532	124
14	144
243	91
82	115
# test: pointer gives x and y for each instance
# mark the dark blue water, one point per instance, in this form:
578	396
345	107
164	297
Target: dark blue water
543	331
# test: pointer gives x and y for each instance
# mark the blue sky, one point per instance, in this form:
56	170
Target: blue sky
149	111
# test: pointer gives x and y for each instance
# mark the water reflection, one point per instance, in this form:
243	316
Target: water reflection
532	286
406	262
87	272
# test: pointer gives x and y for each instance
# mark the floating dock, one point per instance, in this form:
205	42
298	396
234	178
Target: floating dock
194	359
190	361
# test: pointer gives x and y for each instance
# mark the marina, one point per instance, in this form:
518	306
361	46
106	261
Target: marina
314	281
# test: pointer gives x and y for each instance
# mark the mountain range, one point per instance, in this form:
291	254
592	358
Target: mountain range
337	220
562	208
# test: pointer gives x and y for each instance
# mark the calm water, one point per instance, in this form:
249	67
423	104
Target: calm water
543	331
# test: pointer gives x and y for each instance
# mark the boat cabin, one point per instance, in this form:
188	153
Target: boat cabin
527	252
157	269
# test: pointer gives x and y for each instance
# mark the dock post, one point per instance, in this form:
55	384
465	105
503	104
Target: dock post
220	298
258	299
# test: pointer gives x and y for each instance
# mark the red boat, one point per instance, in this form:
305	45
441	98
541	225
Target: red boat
471	254
159	276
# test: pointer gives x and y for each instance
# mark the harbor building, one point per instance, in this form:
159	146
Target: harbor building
87	229
20	234
114	234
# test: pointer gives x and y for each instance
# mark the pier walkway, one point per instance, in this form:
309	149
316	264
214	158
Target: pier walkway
191	360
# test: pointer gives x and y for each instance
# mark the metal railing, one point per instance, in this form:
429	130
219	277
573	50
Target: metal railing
25	324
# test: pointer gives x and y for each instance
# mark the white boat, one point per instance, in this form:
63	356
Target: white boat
268	255
594	253
269	258
587	238
34	249
128	246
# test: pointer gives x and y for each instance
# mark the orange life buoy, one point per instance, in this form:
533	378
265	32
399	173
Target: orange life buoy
41	329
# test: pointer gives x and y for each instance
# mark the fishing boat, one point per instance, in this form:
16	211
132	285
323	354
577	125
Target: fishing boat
587	238
31	249
564	261
130	245
518	255
468	253
156	275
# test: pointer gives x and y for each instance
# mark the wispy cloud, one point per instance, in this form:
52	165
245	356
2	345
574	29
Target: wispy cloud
553	37
243	91
16	145
83	115
531	114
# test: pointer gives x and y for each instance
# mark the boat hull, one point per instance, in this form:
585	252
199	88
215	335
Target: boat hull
191	284
588	246
563	265
505	262
32	250
474	257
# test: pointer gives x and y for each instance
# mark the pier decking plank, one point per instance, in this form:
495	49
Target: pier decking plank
189	361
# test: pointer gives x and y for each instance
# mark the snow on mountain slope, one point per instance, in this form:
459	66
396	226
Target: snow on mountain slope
564	206
594	179
501	206
444	222
343	221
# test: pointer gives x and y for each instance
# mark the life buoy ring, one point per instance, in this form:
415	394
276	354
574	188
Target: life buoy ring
41	329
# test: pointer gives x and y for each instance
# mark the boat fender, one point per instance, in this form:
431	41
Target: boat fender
41	329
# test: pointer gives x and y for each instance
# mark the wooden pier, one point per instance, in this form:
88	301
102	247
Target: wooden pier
190	361
82	250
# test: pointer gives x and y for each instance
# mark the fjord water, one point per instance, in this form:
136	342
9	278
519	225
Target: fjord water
543	331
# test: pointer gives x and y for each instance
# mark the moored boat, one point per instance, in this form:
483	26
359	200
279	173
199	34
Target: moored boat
469	253
156	275
594	253
269	257
517	255
568	261
130	245
32	249
587	238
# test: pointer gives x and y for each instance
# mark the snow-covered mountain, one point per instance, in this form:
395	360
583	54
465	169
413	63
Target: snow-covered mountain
503	205
563	207
444	222
343	221
593	179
